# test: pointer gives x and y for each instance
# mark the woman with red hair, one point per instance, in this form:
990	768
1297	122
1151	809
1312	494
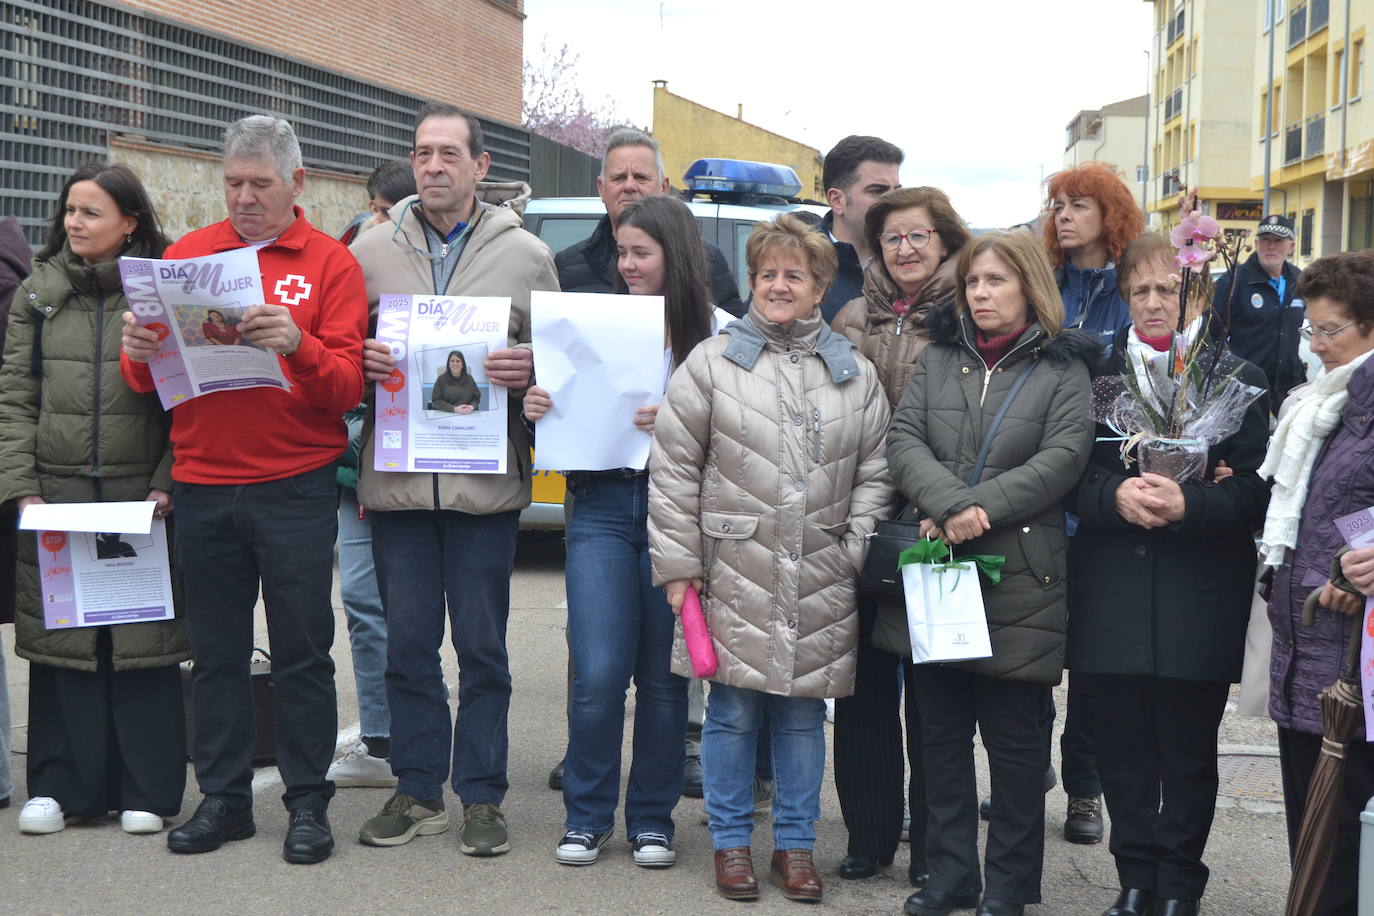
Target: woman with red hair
1092	217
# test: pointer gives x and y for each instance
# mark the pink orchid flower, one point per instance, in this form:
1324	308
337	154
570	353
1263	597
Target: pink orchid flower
1196	227
1193	255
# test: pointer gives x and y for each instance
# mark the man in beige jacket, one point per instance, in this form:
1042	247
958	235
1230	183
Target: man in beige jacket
446	542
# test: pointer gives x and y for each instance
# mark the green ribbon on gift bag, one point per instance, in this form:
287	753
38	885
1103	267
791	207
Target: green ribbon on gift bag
932	551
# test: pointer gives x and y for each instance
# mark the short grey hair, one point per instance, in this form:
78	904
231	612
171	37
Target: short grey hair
264	137
628	136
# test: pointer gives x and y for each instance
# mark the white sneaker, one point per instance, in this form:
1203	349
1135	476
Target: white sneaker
358	768
140	822
654	850
41	815
577	848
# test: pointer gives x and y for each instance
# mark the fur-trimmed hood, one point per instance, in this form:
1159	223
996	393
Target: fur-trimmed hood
947	325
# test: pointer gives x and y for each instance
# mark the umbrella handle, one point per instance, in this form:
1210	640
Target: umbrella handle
1309	607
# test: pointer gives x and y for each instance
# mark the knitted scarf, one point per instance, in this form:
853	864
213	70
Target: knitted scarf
1292	454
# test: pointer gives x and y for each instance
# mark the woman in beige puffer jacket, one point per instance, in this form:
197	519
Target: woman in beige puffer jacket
767	472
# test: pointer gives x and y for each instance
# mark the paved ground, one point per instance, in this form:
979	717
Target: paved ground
97	868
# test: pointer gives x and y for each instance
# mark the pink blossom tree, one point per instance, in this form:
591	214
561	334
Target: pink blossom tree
554	106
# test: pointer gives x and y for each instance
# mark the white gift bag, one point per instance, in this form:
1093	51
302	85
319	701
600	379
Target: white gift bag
944	612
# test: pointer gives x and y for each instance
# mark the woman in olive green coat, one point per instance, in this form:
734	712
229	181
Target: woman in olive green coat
106	727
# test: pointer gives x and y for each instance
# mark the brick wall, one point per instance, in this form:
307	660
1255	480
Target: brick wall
466	52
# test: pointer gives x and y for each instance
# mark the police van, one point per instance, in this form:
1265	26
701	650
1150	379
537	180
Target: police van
727	197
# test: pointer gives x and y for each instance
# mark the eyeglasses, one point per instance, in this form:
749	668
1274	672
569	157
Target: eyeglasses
1307	331
916	238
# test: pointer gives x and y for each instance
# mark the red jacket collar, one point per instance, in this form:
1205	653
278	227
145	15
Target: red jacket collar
227	239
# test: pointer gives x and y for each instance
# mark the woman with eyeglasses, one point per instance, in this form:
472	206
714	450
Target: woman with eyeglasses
1321	458
917	235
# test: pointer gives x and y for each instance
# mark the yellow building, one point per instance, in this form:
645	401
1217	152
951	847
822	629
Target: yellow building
1200	118
1321	145
687	131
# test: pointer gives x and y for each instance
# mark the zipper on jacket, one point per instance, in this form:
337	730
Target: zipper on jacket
437	504
816	431
99	368
987	370
710	565
901	319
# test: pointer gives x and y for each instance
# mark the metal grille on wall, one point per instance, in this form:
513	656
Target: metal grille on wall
74	73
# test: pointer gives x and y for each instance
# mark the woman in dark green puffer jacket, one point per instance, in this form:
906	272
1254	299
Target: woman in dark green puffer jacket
106	727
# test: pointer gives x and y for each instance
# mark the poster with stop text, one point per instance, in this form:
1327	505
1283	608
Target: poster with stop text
100	564
439	412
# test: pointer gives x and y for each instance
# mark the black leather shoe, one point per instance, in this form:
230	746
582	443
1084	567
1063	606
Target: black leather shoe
855	867
1172	907
1083	823
1133	901
691	777
991	906
918	875
556	777
1051	780
308	839
930	902
985	808
213	823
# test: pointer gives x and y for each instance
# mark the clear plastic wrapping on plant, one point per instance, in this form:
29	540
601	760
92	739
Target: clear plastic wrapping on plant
1204	401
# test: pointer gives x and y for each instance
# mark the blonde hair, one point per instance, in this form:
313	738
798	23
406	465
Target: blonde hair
790	232
1025	255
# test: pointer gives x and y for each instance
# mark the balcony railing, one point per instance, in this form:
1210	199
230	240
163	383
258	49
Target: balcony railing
1169	185
1292	144
1173	104
1316	136
1174	30
1297	25
1318	14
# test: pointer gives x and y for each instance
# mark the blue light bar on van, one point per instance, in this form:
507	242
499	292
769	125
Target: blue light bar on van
739	176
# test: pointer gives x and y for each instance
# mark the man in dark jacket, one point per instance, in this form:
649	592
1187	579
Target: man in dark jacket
857	171
15	257
631	169
1263	313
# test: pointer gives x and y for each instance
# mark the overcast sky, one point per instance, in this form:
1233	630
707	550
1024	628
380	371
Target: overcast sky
977	92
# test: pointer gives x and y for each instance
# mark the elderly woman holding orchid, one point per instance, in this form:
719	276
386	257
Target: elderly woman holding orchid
1160	580
1322	463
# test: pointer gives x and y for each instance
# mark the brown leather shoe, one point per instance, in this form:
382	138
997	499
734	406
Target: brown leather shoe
735	874
795	873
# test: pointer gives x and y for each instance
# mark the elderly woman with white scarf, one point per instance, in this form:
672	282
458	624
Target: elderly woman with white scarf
1321	460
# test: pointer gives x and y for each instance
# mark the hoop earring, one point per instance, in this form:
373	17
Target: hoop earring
128	238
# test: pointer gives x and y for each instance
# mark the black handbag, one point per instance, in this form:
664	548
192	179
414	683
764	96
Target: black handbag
880	580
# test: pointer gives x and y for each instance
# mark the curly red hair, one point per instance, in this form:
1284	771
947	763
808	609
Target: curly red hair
1122	220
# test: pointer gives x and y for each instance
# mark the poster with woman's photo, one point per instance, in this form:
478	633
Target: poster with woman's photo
439	412
195	305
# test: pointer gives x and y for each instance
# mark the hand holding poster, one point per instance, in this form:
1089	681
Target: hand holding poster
438	412
600	358
100	564
196	305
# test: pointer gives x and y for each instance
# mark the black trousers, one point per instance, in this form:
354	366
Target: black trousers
1157	754
228	540
1078	763
952	703
102	741
869	770
1298	753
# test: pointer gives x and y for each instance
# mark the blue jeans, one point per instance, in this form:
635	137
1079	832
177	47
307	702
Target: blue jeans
729	744
230	538
366	620
620	628
427	561
6	785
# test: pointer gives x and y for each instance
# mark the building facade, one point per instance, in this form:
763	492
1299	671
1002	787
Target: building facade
154	82
1200	110
687	131
1113	134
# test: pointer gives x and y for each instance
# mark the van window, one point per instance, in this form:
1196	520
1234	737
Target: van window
559	232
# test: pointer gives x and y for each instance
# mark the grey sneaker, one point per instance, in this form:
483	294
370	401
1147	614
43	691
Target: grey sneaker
484	831
358	768
764	789
402	820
